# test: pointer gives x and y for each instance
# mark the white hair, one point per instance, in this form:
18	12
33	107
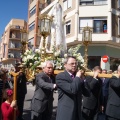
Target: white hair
118	67
47	62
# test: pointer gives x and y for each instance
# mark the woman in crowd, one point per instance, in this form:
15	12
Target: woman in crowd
8	106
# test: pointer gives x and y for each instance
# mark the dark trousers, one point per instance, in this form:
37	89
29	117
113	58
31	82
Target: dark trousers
20	104
105	98
110	118
88	114
46	115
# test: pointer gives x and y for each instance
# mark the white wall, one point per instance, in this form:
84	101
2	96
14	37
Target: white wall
88	11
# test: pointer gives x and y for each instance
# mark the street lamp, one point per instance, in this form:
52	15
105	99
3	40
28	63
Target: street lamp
86	39
24	40
45	30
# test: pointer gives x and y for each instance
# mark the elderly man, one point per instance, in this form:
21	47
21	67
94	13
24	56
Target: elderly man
70	84
113	104
42	102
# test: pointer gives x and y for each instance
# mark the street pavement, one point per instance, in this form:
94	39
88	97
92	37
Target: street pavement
27	103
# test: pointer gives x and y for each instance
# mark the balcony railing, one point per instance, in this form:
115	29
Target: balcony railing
46	4
91	2
94	29
15	45
11	55
16	27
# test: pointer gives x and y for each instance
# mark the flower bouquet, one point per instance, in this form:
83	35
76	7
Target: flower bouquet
59	57
30	60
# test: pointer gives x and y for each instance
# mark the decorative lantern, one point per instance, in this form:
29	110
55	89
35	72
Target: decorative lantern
45	25
87	35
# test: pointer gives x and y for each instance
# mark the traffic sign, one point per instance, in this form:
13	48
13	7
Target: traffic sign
105	58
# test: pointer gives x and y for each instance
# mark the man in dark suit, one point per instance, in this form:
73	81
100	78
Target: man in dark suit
69	91
91	104
21	89
42	102
113	104
104	94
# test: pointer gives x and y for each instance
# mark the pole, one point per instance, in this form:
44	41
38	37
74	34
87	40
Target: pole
15	89
86	56
90	74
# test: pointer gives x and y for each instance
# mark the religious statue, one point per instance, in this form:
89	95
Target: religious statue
57	36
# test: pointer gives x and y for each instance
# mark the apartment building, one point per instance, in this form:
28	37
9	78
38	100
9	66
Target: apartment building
10	45
103	16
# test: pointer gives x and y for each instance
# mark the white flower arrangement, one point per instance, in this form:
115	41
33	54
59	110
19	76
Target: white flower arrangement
59	58
31	59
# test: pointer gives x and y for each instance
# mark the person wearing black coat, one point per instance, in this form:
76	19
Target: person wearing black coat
42	101
113	104
104	92
91	104
21	92
70	88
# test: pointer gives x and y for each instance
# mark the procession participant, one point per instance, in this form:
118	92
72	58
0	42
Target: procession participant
21	89
1	89
113	104
70	90
91	104
8	106
42	102
104	94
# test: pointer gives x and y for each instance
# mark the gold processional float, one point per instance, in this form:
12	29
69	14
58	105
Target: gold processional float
45	30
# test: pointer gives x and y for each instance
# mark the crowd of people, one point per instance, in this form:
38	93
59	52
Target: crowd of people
7	103
80	97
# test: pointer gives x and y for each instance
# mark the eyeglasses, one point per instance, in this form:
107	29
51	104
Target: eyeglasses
72	64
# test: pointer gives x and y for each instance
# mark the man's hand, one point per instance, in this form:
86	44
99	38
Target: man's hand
95	75
80	74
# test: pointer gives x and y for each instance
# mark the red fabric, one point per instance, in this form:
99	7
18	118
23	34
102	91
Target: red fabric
7	111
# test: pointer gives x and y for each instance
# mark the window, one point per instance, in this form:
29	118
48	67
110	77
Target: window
100	2
118	3
32	11
48	2
31	1
31	26
93	2
67	4
99	25
118	26
68	27
85	22
30	42
86	2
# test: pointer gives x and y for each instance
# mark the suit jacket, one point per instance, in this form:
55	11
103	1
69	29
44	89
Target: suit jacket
69	97
93	101
105	86
21	85
113	104
43	94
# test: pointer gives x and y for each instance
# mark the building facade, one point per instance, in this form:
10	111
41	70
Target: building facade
103	16
10	46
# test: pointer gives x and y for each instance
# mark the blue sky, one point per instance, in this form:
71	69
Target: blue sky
10	9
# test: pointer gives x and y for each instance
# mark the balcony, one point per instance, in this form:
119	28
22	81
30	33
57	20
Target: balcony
48	2
15	46
16	27
93	2
15	35
13	55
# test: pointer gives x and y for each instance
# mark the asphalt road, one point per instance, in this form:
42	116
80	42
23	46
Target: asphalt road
27	103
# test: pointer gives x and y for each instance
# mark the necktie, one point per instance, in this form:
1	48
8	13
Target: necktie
72	76
103	80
